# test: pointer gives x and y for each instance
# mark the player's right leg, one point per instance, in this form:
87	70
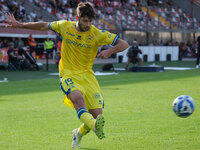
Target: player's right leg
78	133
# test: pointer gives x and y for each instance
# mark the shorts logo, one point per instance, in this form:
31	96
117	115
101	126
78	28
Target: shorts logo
97	96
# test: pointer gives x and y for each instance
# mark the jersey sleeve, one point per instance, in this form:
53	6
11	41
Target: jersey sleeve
105	38
57	26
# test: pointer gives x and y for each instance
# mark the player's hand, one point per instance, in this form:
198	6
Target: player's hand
11	21
104	54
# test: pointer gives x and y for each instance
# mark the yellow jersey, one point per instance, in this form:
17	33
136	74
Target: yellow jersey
79	49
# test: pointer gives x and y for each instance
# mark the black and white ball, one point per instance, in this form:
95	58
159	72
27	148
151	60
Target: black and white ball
183	106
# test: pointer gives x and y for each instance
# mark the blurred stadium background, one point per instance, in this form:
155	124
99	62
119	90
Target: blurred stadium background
153	23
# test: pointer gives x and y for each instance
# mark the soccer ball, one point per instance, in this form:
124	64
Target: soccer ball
183	106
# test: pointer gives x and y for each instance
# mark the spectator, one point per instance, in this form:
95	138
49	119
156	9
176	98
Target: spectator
5	8
32	44
161	43
4	43
22	9
12	55
182	50
20	43
2	17
40	19
49	45
33	14
15	41
59	44
73	3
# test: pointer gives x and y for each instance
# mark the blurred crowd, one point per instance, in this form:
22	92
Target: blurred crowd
35	47
18	10
68	6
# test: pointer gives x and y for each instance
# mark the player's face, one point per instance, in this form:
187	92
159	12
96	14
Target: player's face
84	24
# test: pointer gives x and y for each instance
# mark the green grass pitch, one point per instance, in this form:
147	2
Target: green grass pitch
138	112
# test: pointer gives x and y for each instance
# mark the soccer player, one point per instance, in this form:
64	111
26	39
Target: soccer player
79	48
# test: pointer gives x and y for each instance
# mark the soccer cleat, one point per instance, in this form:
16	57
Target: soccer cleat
99	127
76	143
197	66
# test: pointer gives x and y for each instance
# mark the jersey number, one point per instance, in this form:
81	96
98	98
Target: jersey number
69	81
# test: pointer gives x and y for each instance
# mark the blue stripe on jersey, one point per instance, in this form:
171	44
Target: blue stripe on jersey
113	43
81	111
51	28
50	25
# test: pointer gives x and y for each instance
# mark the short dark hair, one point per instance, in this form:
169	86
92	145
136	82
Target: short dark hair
85	9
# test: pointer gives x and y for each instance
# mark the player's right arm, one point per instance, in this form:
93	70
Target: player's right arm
13	23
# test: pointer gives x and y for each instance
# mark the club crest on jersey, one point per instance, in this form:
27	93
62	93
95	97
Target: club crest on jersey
79	37
89	38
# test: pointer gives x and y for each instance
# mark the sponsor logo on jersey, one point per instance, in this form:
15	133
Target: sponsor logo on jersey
68	41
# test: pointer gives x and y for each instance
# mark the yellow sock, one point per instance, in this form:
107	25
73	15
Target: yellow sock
83	129
86	118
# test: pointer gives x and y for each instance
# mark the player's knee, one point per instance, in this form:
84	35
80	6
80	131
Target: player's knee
77	99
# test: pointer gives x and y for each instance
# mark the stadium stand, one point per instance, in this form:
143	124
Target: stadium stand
111	15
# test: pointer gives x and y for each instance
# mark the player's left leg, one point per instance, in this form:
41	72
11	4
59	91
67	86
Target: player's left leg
100	122
78	133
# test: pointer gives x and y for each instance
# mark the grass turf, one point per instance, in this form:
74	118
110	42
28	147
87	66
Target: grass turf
138	111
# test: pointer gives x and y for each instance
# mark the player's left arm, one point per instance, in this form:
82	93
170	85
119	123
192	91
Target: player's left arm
120	45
